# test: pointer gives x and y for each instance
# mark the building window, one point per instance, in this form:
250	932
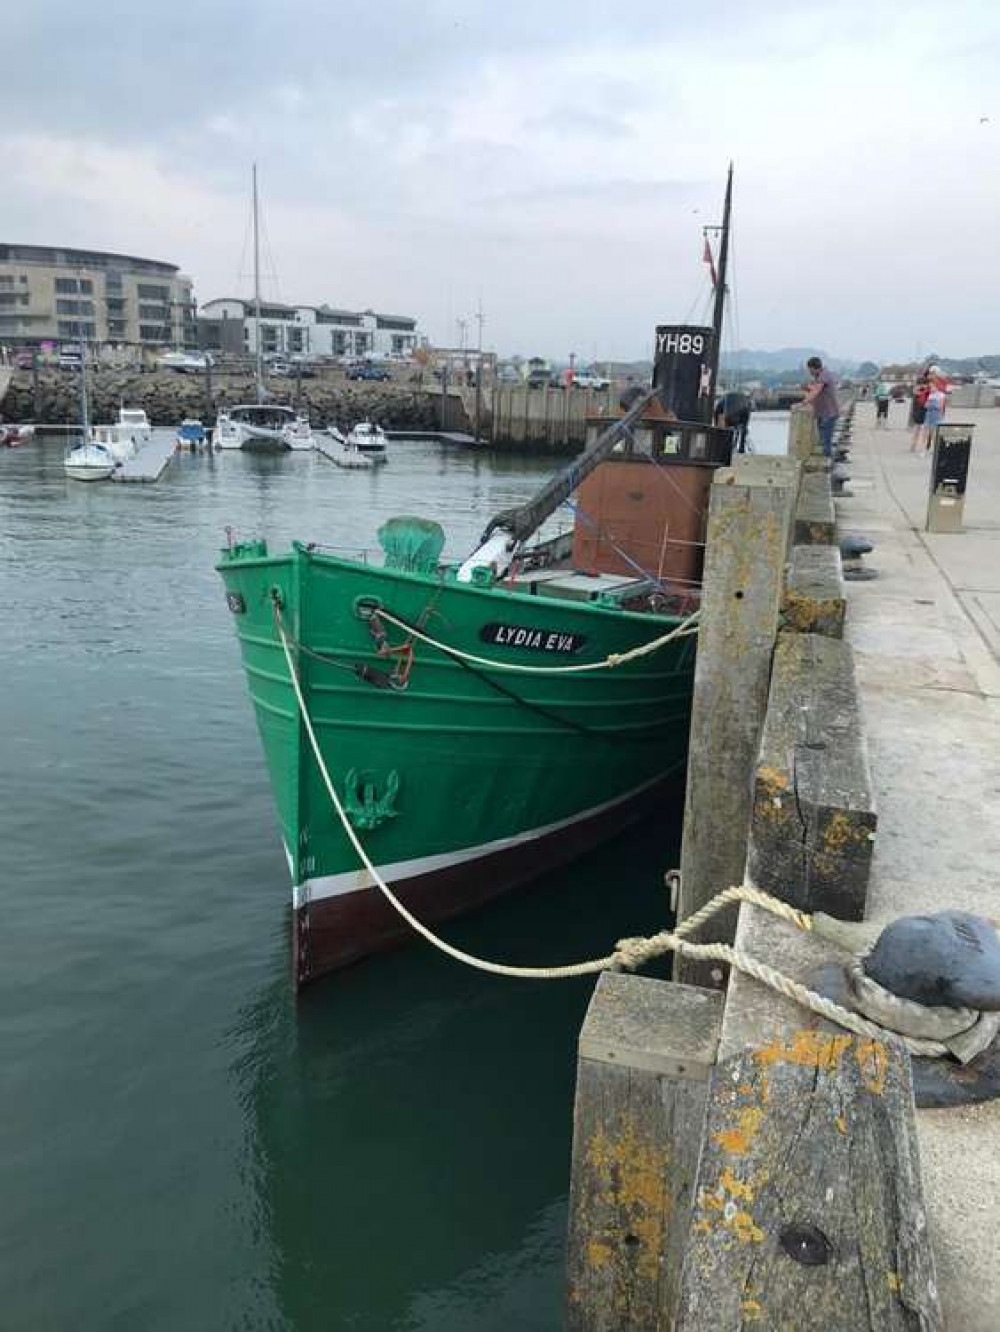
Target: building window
116	305
67	284
116	328
6	281
74	307
158	313
149	292
73	329
87	286
112	280
154	333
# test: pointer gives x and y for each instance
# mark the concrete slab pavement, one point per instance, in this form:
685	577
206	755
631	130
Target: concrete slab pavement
926	636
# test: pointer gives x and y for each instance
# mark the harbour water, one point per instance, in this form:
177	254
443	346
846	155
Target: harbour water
184	1144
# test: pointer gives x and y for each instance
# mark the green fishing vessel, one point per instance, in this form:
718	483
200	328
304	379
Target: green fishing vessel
449	731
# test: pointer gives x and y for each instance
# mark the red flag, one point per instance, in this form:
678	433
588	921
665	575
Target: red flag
707	257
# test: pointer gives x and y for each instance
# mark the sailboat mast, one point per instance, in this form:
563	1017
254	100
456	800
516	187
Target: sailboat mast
720	294
259	371
84	414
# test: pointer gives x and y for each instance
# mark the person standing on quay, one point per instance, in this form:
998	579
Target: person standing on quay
919	408
821	395
882	404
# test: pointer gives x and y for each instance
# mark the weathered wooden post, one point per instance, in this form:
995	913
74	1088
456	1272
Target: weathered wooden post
808	1210
741	601
646	1052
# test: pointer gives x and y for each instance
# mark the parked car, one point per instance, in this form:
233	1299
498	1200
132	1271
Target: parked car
70	358
278	368
368	372
24	360
586	379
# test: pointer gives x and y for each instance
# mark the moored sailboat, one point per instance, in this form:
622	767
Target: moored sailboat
261	426
91	459
485	721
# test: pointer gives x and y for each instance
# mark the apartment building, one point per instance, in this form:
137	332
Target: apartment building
230	324
51	294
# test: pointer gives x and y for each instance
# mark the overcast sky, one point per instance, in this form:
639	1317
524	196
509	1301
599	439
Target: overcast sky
555	159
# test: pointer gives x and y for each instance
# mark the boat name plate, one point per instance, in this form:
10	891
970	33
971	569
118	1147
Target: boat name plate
532	638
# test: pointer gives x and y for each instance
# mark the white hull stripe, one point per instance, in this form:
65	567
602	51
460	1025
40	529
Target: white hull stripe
336	885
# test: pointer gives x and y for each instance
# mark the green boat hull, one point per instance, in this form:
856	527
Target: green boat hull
461	780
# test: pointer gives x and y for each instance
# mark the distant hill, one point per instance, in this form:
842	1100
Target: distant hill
781	359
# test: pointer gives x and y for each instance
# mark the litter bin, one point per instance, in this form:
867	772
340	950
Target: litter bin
949	475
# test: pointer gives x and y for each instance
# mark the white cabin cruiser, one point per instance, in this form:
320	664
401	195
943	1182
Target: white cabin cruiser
133	421
368	438
262	427
342	452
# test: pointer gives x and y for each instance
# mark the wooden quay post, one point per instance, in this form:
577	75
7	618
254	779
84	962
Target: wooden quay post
747	546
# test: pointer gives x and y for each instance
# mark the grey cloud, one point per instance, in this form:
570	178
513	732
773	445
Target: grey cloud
576	121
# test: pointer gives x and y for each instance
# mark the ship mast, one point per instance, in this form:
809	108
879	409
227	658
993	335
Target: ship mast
720	296
258	368
84	414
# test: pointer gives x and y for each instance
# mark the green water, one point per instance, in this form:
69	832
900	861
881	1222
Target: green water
182	1143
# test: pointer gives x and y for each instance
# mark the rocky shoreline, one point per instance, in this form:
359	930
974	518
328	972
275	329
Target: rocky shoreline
167	397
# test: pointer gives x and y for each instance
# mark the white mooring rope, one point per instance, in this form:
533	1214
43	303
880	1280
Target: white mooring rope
628	953
682	630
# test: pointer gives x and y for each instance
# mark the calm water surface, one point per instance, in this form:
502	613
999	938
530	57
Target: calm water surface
182	1144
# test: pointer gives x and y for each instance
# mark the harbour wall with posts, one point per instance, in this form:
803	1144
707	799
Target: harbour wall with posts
537	420
739	1160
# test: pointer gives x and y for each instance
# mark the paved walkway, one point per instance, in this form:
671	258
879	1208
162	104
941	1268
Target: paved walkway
926	635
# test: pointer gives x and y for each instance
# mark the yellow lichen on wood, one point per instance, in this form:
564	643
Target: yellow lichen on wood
634	1172
739	1189
599	1254
873	1061
736	1140
746	1228
775	782
752	1310
841	1123
895	1285
807	1048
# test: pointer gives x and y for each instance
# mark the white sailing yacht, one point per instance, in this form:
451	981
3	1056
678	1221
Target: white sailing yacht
261	426
91	460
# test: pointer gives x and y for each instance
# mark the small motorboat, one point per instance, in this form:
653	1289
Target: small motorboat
368	438
191	434
13	436
89	462
342	452
134	423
